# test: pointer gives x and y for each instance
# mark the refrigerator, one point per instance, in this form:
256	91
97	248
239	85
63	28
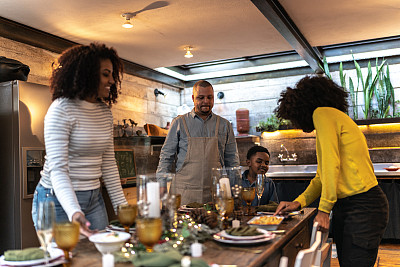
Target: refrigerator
22	110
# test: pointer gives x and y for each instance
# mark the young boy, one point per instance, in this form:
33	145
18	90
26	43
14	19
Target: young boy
258	163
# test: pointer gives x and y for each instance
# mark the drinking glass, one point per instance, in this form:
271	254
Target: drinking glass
127	215
248	194
66	236
46	215
149	231
260	186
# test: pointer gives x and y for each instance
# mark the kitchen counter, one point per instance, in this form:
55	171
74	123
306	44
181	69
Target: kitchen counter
308	171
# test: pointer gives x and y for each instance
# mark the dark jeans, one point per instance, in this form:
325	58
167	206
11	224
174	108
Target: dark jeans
359	223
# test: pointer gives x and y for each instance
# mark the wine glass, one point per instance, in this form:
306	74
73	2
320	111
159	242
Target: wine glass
44	230
127	215
259	187
66	236
248	194
149	231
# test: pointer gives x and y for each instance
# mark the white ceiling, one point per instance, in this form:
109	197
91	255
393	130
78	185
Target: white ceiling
217	29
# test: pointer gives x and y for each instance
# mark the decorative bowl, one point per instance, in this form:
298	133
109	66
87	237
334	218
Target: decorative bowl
109	242
392	168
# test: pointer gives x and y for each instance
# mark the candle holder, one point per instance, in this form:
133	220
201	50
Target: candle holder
230	180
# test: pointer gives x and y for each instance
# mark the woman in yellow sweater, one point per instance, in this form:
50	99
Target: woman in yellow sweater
345	179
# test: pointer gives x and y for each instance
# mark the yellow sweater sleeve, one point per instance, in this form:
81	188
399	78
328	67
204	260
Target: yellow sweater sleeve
325	182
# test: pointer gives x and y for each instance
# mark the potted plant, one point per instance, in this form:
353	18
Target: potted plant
273	124
376	87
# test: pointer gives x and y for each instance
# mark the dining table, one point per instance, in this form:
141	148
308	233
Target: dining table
294	236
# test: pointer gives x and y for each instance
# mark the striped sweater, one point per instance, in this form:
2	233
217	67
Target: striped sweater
79	150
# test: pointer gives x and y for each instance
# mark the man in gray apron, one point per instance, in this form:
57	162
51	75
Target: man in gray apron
197	142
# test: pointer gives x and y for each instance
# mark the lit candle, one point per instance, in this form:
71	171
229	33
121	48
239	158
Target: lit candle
108	260
235	223
153	197
196	249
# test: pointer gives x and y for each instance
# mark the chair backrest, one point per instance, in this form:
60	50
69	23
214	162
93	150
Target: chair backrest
323	251
306	257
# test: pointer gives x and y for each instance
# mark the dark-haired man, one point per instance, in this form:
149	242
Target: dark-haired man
258	163
199	141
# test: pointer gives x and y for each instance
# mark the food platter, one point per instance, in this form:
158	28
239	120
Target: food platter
266	222
56	258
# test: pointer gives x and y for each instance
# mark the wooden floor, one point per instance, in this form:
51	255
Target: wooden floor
388	255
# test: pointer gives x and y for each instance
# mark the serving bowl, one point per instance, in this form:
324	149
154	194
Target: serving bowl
109	242
266	222
392	168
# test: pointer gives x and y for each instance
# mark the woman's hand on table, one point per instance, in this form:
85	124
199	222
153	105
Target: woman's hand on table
286	206
322	219
80	218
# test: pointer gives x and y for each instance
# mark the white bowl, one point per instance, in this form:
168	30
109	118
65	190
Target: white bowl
110	241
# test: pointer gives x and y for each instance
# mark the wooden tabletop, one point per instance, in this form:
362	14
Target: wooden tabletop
85	253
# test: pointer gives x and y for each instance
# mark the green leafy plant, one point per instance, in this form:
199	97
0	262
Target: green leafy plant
384	93
378	85
272	124
369	85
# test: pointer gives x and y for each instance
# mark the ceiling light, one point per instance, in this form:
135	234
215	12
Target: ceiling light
127	24
188	53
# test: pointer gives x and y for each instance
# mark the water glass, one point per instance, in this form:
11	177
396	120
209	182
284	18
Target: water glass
66	236
149	231
127	215
260	183
46	216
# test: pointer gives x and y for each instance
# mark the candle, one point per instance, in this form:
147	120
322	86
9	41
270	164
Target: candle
225	185
153	197
108	260
196	249
235	223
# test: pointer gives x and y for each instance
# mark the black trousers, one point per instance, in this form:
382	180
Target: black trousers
359	223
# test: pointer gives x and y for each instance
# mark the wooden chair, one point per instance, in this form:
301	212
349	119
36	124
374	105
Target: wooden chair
306	257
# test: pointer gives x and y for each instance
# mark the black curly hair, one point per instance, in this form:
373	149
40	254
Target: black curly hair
298	104
253	150
76	73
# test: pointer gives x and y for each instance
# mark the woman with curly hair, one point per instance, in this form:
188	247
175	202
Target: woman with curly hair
345	179
78	131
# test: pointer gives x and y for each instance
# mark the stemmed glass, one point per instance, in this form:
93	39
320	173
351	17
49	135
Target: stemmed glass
259	187
66	236
127	215
248	194
149	231
46	215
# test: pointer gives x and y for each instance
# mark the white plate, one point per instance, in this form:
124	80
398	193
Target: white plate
54	254
265	234
219	238
184	208
120	229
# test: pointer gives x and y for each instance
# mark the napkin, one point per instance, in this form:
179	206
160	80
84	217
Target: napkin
24	254
170	258
243	231
271	206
